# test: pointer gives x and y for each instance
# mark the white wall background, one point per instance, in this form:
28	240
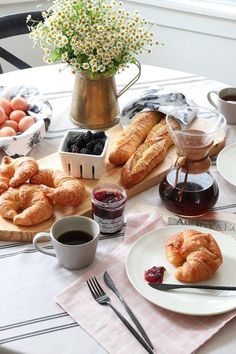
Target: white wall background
200	40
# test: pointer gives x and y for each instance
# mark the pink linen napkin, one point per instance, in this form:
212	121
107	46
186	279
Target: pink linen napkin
169	332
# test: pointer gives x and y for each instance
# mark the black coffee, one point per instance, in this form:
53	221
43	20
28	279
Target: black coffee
230	98
75	237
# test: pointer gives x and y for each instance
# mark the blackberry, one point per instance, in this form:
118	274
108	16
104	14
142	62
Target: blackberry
98	148
80	142
79	134
99	135
68	148
103	140
88	136
69	144
91	145
85	151
75	148
71	141
87	143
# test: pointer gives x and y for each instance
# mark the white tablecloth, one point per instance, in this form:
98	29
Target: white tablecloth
30	320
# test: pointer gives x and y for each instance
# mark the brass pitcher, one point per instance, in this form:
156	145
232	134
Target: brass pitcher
95	101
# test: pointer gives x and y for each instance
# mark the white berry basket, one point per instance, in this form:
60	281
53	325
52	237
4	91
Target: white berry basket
82	165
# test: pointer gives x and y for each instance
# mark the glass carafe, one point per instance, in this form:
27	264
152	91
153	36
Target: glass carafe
189	190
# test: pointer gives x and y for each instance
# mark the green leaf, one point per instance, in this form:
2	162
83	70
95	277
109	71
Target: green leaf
56	54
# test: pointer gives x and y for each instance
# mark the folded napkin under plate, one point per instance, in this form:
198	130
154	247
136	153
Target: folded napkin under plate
169	332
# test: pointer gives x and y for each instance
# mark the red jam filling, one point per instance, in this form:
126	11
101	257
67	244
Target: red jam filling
108	203
154	274
110	211
108	197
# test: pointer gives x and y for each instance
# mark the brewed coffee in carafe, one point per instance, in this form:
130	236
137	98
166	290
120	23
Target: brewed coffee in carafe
189	190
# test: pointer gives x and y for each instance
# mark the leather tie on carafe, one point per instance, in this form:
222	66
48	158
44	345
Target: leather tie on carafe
194	159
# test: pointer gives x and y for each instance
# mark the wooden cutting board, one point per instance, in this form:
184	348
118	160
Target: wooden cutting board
11	232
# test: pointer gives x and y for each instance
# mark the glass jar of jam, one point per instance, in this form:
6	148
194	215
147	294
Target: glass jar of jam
108	204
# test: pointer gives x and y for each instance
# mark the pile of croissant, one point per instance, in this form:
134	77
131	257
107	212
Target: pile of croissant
28	194
196	255
141	147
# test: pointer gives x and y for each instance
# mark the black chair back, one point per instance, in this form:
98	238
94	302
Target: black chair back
15	25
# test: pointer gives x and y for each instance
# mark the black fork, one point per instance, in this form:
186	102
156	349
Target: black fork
102	298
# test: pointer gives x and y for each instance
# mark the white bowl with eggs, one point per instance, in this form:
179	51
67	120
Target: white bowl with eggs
20	134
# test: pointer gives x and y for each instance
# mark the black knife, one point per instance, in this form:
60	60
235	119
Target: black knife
109	282
186	286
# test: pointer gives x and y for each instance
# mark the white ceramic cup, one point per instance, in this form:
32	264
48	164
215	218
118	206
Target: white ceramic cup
71	256
224	105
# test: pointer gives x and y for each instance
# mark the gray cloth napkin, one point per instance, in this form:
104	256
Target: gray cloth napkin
158	99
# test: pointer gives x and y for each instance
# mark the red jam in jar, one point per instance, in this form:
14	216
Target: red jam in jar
108	204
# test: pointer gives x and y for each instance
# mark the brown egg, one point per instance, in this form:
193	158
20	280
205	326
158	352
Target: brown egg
2	115
17	115
7	131
25	123
10	123
19	103
5	104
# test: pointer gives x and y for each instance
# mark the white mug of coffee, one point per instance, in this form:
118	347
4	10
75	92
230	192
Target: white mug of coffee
226	103
75	240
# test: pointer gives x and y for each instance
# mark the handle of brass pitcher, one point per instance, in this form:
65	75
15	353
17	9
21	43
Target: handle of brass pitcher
132	81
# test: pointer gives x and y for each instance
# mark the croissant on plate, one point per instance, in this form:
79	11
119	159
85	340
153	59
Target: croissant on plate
26	205
60	187
196	255
14	172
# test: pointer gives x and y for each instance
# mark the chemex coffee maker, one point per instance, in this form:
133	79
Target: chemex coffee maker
189	190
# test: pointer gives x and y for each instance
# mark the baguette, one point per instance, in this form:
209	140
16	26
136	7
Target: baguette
158	131
148	155
133	136
144	160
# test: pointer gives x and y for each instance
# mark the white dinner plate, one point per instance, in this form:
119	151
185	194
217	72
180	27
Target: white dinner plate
149	251
226	162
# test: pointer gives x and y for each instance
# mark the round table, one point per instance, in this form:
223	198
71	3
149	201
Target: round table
30	320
